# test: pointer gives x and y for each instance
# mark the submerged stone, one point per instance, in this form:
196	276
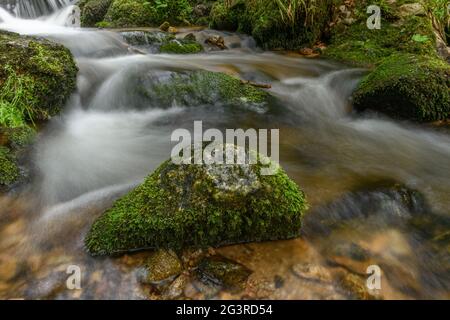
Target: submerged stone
162	265
181	206
223	272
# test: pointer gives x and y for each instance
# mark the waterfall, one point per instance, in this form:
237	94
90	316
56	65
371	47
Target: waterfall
34	8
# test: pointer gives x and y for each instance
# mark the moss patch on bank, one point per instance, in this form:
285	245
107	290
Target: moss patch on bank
274	24
181	206
357	45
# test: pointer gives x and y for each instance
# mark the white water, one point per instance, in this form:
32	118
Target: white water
34	8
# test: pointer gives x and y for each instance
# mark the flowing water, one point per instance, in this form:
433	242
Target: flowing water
108	139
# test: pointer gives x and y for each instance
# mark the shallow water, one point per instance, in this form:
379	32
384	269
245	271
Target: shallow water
108	139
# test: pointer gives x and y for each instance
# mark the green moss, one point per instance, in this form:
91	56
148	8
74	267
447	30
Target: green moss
9	171
204	88
181	47
103	24
174	11
227	17
358	45
129	13
274	24
36	78
147	13
93	11
181	206
17	137
407	86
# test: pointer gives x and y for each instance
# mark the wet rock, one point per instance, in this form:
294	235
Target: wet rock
386	205
190	37
223	272
201	10
172	30
162	265
259	288
164	26
279	281
311	272
351	250
216	41
208	205
9	267
176	288
411	9
146	38
355	286
308	52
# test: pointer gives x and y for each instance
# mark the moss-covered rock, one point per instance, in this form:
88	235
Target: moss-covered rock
185	205
196	88
129	13
181	46
36	78
93	11
407	86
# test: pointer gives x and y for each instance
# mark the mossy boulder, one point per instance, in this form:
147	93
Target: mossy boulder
190	205
129	13
37	77
197	88
407	86
273	24
181	46
93	11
